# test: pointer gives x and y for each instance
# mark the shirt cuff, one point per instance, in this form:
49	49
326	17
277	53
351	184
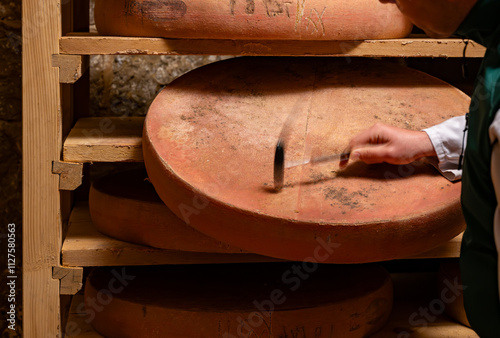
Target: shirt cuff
447	138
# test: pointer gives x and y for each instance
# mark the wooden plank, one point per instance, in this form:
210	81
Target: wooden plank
70	174
74	102
71	67
450	249
415	297
71	279
410	284
417	46
42	143
105	139
85	246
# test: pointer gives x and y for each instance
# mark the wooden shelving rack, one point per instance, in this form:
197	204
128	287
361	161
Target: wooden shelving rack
55	149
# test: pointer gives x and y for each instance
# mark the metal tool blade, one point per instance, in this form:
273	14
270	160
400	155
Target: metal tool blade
302	104
279	165
320	159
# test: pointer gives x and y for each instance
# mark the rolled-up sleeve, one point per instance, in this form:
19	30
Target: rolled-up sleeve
447	138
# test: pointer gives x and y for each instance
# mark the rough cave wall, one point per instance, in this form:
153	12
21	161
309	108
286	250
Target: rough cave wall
126	85
10	111
10	148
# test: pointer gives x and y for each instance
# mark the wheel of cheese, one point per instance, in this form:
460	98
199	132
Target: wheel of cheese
125	206
209	143
450	291
252	19
247	300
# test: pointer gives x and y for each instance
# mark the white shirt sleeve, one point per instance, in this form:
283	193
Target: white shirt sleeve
494	134
447	138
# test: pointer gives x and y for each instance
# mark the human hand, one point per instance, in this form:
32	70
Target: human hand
384	143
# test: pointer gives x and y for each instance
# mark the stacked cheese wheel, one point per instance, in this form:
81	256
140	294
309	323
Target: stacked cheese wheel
252	19
125	206
209	143
249	300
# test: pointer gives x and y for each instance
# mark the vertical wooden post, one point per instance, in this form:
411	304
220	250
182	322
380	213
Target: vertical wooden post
74	97
41	146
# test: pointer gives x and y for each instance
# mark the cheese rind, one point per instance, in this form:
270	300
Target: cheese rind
125	206
252	19
210	137
262	300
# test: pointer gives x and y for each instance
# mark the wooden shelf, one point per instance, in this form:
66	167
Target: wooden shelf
414	46
85	246
450	249
105	139
419	287
413	291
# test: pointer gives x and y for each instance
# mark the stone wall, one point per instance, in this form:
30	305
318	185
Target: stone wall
126	85
10	148
10	111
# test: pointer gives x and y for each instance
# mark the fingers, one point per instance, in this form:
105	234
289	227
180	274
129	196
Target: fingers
372	135
360	140
383	143
375	154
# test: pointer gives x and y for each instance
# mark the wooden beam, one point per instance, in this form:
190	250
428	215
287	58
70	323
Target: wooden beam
70	174
415	292
450	249
71	67
42	143
71	279
105	139
87	44
85	246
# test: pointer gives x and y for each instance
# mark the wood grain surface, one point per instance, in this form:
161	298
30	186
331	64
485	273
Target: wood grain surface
42	142
414	46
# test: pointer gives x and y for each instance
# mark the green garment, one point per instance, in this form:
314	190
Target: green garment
479	257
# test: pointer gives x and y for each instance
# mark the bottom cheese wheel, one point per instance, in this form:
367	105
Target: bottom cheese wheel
239	300
125	206
448	278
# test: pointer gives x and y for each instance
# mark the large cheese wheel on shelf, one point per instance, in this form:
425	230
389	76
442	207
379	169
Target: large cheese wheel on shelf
209	143
252	19
245	300
125	206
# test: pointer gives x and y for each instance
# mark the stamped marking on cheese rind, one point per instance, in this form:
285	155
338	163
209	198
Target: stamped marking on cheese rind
232	4
131	7
277	7
318	24
250	8
272	8
301	5
168	10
